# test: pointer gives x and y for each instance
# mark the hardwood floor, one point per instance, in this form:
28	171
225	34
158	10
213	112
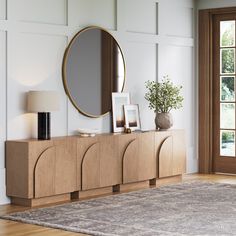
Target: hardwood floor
10	228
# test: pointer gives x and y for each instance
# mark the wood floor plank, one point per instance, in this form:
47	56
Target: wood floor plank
11	228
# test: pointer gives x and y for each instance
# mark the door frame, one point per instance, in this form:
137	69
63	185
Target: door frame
205	88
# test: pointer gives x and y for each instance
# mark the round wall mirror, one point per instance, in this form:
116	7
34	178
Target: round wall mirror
93	68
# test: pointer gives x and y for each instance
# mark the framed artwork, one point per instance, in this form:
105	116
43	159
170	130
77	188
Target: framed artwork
118	102
132	118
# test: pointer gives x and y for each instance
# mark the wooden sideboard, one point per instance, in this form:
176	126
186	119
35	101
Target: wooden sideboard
41	172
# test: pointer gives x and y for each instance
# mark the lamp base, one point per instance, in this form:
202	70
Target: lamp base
44	129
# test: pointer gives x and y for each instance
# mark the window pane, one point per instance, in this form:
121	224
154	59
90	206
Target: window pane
227	115
227	142
227	61
227	92
227	33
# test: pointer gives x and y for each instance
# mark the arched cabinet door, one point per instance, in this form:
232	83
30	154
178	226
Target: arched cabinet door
110	169
179	153
65	171
139	161
44	174
90	168
99	164
166	158
131	163
55	172
172	154
147	158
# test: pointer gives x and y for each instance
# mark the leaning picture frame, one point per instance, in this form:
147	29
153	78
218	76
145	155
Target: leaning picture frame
132	117
118	117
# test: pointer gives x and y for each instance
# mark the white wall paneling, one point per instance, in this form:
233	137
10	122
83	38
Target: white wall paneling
141	66
34	63
3	107
121	15
38	32
41	11
186	29
177	62
3	198
84	13
173	23
2	9
2	96
3	131
176	58
77	121
137	11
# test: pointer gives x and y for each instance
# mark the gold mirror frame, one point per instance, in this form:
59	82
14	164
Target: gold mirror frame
64	70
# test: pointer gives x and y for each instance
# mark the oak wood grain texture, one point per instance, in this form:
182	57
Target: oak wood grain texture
65	166
179	153
36	148
166	158
168	180
83	144
110	169
71	164
45	174
134	186
139	161
41	201
147	159
170	152
20	180
123	142
55	170
160	136
90	166
17	176
25	154
94	192
131	163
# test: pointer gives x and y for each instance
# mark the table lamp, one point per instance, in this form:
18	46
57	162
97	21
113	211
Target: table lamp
43	102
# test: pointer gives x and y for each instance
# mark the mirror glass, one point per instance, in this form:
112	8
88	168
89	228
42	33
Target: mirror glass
93	68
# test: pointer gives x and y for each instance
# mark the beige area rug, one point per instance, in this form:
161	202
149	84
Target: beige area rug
194	208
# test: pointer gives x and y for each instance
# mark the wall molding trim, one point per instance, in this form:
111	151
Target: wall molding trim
38	34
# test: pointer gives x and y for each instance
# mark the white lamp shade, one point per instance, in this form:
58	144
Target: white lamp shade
43	101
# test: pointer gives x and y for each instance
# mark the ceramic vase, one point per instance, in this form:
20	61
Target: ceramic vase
163	121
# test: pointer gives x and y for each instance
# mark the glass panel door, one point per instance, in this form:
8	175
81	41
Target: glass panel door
224	109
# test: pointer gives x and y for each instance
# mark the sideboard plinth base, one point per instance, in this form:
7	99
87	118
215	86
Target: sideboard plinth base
169	180
40	201
95	192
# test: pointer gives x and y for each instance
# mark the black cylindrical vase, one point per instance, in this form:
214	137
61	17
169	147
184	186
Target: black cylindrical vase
44	132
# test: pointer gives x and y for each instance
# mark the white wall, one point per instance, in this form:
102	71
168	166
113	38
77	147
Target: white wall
155	35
